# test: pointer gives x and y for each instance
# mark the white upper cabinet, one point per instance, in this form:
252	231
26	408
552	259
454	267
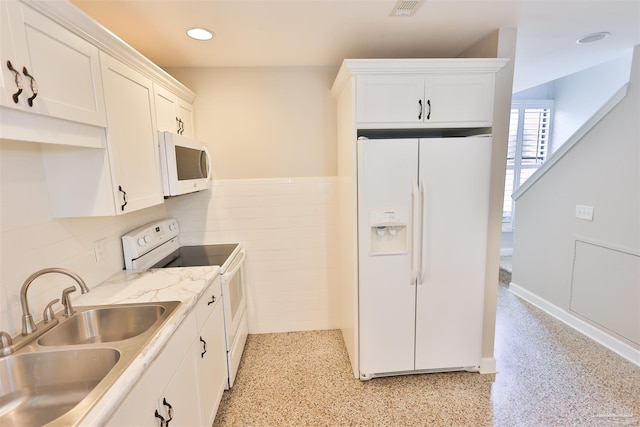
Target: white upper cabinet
420	93
463	100
395	99
132	139
125	176
173	113
47	69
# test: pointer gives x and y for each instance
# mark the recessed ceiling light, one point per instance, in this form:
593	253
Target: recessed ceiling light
595	37
199	34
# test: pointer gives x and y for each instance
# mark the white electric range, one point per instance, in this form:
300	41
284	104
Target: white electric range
156	245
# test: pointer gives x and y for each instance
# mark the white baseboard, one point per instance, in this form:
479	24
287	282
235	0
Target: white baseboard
599	336
488	365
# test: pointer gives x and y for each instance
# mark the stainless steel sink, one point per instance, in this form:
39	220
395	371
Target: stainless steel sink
57	379
36	388
103	325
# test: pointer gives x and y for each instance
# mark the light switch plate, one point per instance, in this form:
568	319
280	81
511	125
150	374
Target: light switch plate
584	212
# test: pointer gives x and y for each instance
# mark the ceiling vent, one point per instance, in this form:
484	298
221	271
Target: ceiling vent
405	8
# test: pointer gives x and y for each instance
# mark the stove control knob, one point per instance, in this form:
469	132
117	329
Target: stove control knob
172	226
141	242
147	238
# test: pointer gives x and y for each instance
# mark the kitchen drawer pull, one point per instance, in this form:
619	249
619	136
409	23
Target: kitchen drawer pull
213	299
420	109
204	347
18	80
32	84
429	110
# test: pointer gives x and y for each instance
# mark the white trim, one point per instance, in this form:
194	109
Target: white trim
608	245
599	336
78	22
284	180
506	251
488	365
420	66
573	140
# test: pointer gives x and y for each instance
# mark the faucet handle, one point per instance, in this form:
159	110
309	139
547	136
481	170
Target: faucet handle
48	314
5	340
66	301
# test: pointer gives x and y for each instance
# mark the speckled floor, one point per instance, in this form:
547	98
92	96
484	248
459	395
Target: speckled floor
549	375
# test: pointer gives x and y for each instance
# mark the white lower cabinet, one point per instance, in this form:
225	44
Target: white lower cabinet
180	402
212	361
184	384
170	376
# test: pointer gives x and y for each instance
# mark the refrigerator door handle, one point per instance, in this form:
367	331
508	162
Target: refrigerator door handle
423	232
415	204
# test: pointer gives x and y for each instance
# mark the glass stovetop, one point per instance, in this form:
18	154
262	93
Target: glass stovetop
197	256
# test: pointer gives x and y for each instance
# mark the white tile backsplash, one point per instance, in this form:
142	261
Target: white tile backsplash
288	226
30	239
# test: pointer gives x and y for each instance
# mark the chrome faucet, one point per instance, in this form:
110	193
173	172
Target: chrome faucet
28	325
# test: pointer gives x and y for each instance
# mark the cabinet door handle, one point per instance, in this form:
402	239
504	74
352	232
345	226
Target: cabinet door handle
204	347
419	109
32	84
169	410
18	80
429	110
124	197
163	422
213	299
180	126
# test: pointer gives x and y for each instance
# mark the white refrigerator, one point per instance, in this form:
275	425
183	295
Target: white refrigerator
422	235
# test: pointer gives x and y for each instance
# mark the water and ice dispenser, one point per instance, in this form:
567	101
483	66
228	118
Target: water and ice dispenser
389	234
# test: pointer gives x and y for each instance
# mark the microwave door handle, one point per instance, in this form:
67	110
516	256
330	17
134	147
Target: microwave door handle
207	164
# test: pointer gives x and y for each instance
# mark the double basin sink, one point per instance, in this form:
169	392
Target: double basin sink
60	376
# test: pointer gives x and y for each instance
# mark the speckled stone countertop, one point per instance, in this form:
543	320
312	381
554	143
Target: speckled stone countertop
171	284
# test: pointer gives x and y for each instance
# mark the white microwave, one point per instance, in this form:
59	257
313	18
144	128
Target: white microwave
185	163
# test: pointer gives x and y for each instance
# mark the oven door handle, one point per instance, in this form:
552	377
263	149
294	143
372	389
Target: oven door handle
235	266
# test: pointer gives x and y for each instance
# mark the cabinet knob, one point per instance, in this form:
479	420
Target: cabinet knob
18	81
32	84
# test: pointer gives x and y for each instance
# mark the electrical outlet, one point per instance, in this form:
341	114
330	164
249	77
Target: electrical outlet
100	249
584	212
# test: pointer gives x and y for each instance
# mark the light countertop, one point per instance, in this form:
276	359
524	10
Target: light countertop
170	284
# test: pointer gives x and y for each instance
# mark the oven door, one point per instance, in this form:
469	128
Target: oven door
234	297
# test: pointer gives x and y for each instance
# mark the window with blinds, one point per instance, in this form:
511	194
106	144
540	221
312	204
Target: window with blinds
529	132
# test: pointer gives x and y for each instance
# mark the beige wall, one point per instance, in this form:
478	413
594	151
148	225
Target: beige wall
31	239
265	122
